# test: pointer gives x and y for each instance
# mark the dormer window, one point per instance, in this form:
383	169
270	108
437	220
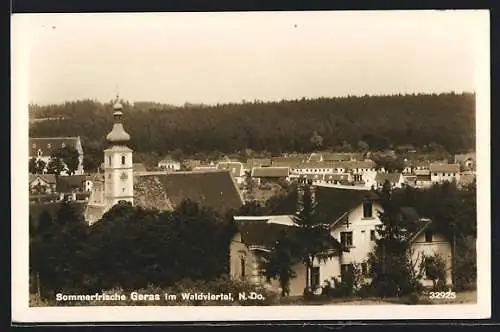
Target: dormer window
63	145
39	152
49	145
34	145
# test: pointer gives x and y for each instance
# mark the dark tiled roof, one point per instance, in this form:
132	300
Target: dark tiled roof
333	202
70	183
50	145
265	235
270	172
338	156
215	190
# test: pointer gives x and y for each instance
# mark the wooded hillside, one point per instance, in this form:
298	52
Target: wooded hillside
347	123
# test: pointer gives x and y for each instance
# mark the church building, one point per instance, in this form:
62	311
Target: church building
117	184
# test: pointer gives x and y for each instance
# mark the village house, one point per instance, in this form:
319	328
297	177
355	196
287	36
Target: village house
235	168
467	161
270	174
169	164
444	172
354	223
42	183
45	147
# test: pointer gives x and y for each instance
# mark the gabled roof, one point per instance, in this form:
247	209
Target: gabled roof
332	156
48	178
214	189
315	157
422	172
50	145
70	183
444	168
333	202
270	172
264	234
393	178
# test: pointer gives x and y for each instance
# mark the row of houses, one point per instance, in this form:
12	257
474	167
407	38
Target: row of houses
361	173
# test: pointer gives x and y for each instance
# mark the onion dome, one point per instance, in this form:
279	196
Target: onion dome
118	134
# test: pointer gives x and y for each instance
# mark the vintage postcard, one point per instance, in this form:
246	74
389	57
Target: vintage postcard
333	165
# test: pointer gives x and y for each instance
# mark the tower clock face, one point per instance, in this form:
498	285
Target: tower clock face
124	176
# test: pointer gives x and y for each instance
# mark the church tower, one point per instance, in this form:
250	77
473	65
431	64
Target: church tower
118	170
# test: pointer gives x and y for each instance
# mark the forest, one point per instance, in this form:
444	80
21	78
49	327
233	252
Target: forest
353	123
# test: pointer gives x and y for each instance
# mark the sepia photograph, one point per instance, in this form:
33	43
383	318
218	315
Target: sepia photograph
332	165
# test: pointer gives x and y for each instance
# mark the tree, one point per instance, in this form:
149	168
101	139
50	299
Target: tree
278	263
69	157
363	146
316	140
389	261
251	208
249	187
313	238
55	166
389	163
90	163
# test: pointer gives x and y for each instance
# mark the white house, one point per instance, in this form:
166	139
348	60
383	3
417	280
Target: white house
444	172
169	164
355	229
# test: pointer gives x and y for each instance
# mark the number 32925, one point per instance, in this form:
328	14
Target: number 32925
442	295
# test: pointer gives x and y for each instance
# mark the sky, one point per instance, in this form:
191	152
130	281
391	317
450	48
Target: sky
230	57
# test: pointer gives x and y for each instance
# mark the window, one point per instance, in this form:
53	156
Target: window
435	174
242	266
428	236
372	235
49	145
34	145
109	160
346	239
367	210
63	145
123	160
314	277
